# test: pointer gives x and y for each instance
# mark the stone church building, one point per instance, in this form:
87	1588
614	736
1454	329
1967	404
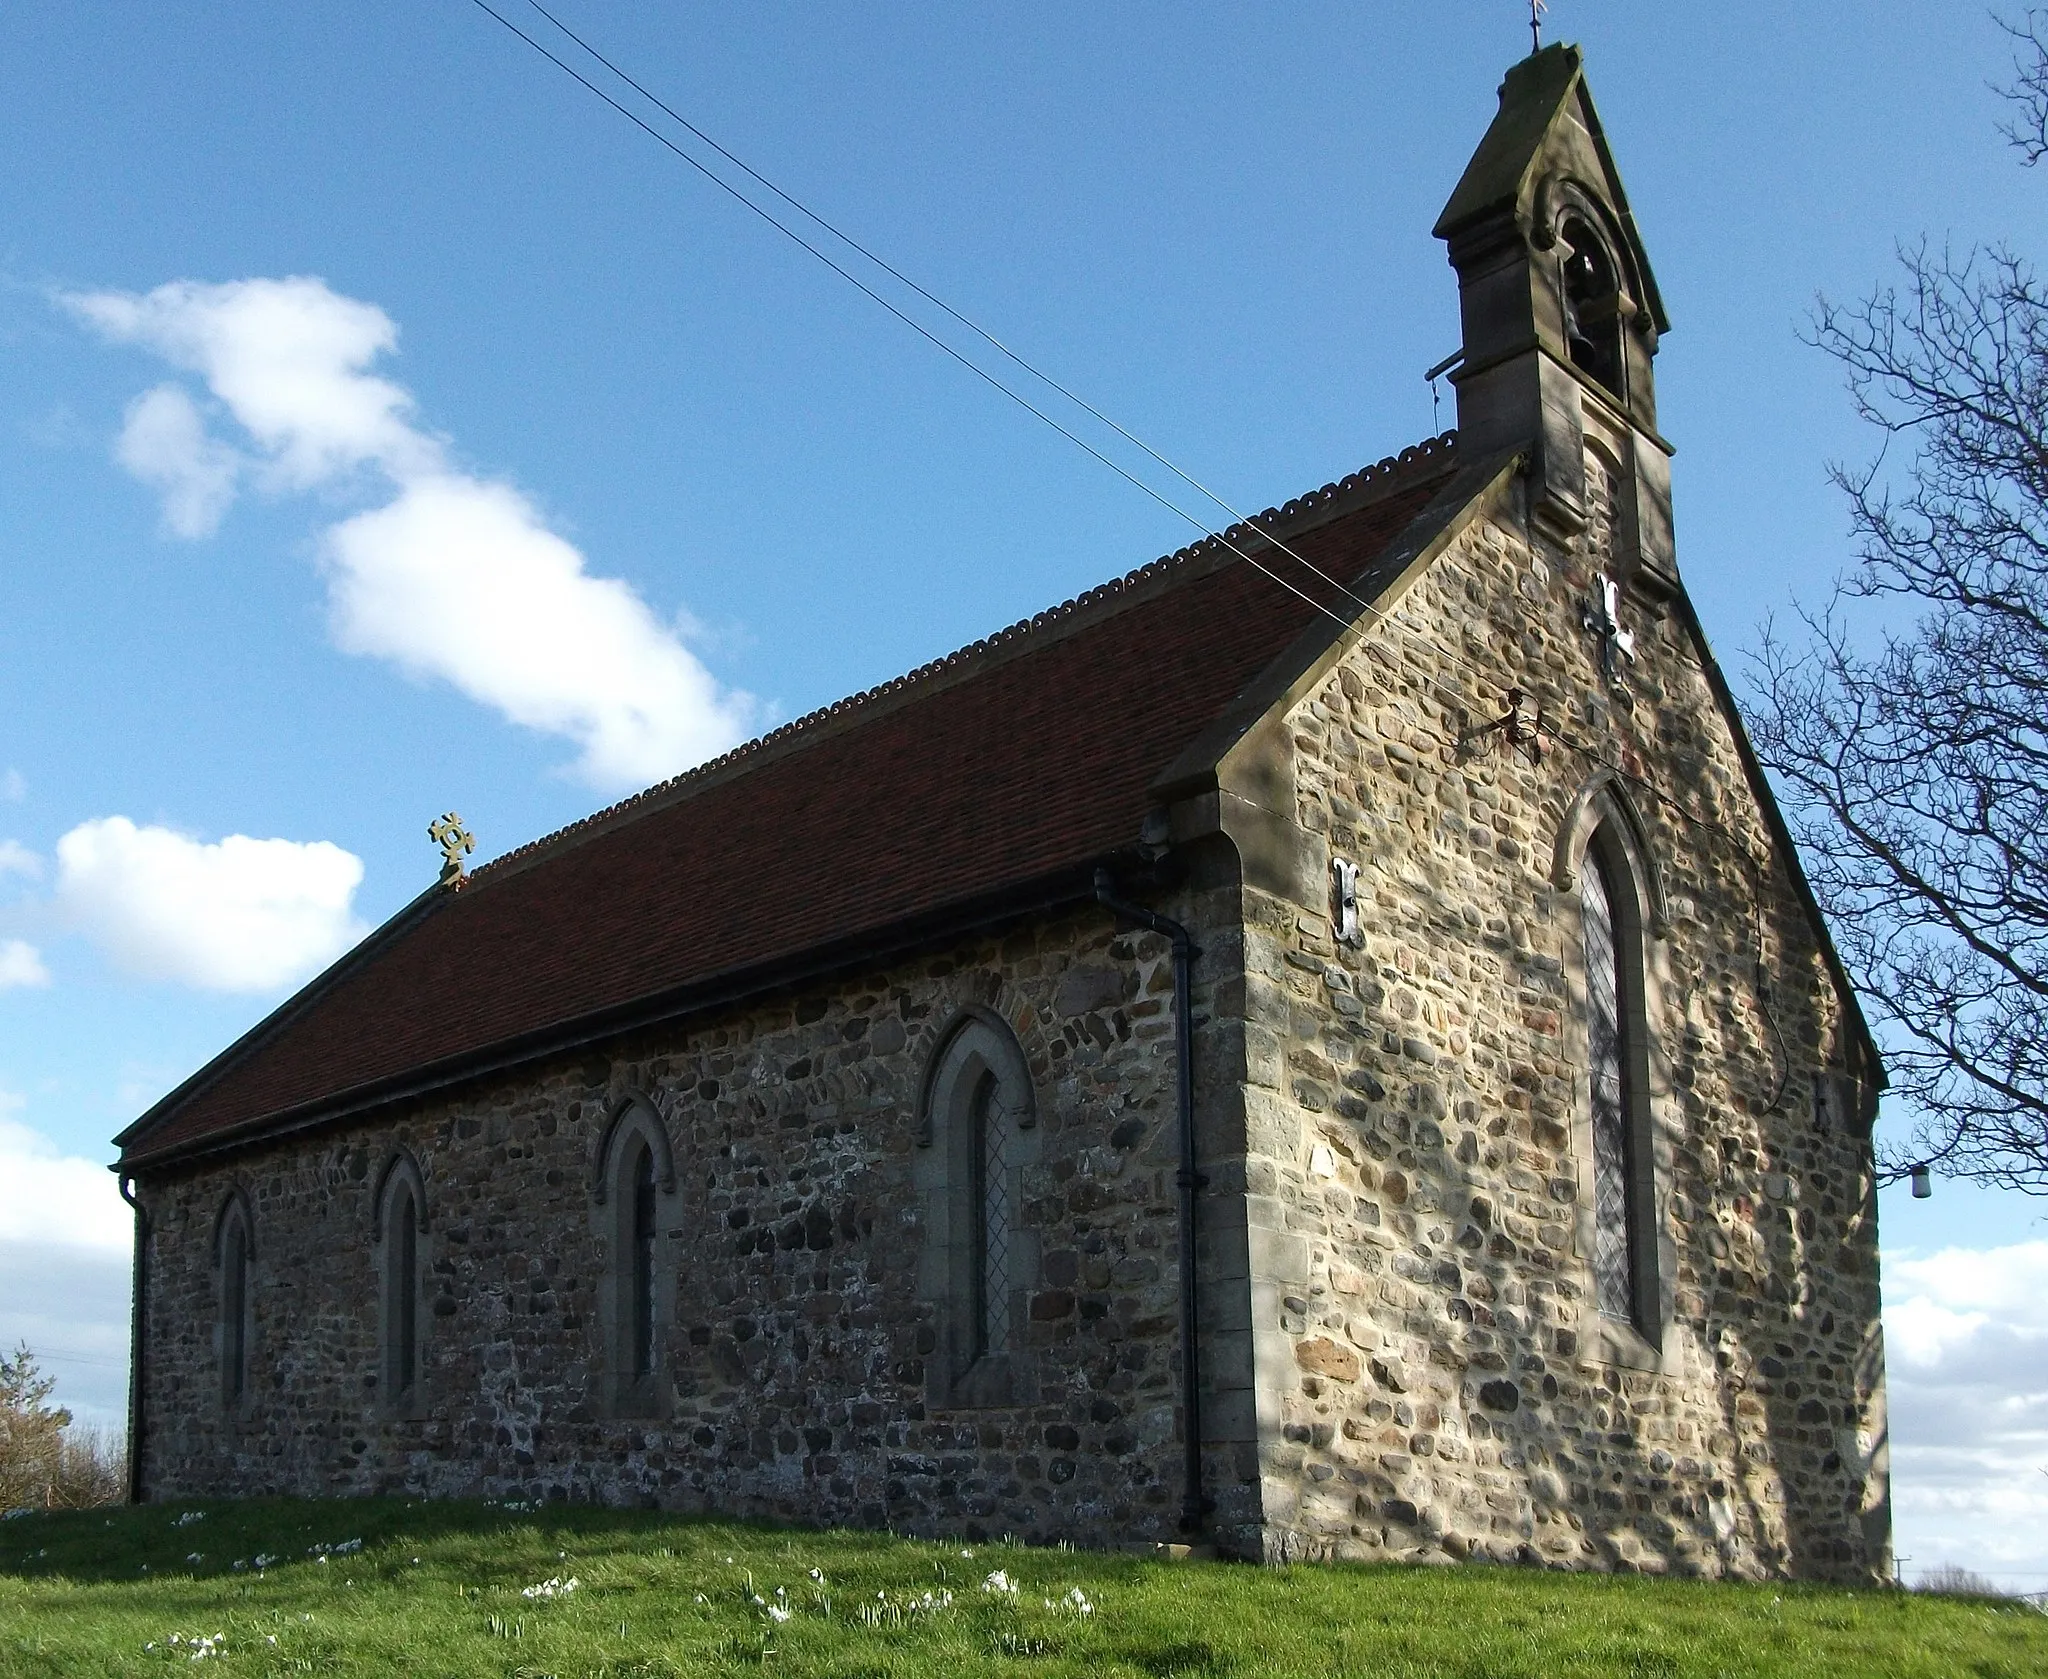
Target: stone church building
1320	1045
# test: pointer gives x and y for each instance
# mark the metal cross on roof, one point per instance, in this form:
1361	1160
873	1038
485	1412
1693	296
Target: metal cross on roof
1536	10
456	842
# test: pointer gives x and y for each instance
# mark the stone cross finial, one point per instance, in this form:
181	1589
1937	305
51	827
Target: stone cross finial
456	842
1536	10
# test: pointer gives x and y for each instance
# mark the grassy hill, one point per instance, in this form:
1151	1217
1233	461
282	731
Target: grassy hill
280	1586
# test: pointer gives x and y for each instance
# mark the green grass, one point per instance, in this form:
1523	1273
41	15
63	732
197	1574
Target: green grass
443	1589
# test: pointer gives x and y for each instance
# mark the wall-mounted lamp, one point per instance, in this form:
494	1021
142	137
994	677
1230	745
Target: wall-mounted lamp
1923	1181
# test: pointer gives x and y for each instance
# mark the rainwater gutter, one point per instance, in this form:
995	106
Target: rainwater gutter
1195	1506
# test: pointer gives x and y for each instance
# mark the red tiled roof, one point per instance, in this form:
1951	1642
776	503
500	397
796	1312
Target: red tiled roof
1017	759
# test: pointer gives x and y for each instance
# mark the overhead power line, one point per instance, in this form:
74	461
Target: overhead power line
930	297
925	332
1365	607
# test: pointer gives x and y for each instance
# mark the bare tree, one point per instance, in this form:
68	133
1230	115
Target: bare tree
1914	768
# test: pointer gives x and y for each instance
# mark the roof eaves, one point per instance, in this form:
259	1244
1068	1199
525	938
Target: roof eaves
1323	642
1061	888
308	994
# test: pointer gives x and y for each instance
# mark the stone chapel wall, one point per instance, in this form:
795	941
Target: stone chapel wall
1416	1111
796	1338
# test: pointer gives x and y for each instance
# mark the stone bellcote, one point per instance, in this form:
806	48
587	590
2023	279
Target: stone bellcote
1561	318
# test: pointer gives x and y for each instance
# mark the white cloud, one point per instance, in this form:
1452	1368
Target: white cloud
240	914
12	787
164	442
65	1248
455	577
16	858
56	1199
288	357
1966	1342
21	964
460	579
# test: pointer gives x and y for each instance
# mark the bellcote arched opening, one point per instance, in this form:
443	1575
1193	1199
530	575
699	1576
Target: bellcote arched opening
1594	312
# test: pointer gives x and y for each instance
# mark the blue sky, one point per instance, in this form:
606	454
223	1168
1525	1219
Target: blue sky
1212	219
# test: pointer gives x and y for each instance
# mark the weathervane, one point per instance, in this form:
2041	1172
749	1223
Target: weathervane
1536	10
456	842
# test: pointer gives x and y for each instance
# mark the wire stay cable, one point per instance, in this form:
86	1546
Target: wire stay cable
939	303
1366	607
915	325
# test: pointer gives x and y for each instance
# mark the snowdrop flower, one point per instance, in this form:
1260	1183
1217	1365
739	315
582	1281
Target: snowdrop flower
1079	1602
777	1613
818	1574
999	1581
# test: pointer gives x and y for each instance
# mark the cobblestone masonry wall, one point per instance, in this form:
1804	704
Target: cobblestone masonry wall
1416	1113
796	1343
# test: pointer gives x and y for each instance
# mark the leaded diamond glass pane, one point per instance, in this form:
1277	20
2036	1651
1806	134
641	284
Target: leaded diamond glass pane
405	1283
994	1125
1612	1248
642	1304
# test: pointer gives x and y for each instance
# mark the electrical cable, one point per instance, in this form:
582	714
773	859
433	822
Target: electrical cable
916	326
940	303
1367	607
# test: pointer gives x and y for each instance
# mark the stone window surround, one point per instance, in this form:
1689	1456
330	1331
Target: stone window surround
401	1175
237	1293
977	1043
635	1120
1603	815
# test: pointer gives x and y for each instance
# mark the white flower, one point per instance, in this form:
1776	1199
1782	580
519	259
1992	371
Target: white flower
818	1574
185	1520
552	1587
1000	1582
1078	1601
777	1613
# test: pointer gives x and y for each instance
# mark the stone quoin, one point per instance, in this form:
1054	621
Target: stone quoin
1400	1016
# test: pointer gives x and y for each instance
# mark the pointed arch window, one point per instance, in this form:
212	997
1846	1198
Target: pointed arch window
1615	1220
400	1230
634	1189
981	1257
233	1254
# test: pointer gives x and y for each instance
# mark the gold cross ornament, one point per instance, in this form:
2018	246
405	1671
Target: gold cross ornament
456	842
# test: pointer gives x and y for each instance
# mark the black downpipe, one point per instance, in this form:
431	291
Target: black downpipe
137	1329
1195	1506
